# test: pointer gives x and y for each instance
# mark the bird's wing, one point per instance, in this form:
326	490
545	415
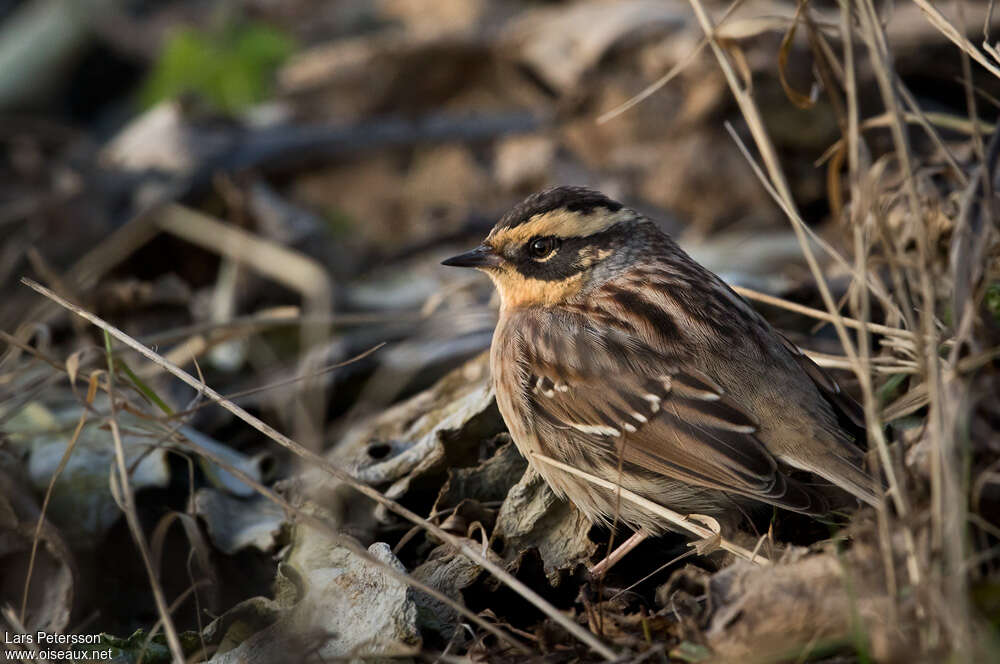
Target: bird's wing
604	392
826	385
844	464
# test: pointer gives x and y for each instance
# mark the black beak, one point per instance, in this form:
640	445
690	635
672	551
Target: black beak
482	257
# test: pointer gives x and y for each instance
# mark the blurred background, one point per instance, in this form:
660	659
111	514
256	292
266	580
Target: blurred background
261	189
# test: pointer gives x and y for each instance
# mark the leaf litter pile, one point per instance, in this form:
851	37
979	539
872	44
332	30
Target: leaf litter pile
245	416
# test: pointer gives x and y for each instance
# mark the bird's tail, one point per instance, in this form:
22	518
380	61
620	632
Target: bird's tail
849	476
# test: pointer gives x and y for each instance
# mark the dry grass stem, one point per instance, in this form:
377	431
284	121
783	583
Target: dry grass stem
285	266
651	89
778	187
318	461
896	222
127	496
346	542
669	515
818	314
957	38
36	539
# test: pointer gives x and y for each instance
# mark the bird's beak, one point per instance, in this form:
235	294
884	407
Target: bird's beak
482	256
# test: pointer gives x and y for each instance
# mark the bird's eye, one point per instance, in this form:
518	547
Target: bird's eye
542	246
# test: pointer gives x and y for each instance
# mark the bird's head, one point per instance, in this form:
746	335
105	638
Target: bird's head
550	246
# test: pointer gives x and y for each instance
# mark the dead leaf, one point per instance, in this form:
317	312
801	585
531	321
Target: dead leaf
449	573
348	608
235	523
53	578
82	504
532	517
763	612
560	44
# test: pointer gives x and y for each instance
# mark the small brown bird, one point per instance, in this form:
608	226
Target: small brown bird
619	355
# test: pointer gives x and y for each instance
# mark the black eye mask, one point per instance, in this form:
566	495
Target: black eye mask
566	261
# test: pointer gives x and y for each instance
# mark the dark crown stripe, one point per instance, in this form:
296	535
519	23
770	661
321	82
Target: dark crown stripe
574	199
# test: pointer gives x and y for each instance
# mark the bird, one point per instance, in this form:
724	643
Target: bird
617	354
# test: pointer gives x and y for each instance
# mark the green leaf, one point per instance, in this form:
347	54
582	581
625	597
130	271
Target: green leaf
993	300
146	390
891	388
691	652
229	69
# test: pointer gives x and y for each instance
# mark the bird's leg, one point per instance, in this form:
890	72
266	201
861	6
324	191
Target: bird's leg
601	568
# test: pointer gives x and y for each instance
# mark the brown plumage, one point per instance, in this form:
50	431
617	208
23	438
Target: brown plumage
618	354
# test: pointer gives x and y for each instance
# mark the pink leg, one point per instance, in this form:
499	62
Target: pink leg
601	568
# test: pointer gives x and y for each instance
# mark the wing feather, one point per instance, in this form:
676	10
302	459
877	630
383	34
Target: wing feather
827	386
623	398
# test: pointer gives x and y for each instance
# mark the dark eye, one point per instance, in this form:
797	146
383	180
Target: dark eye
542	246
